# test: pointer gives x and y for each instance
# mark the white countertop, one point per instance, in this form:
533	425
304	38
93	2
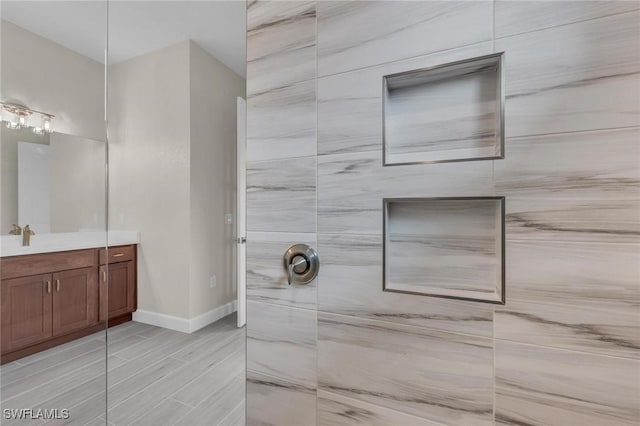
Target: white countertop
11	245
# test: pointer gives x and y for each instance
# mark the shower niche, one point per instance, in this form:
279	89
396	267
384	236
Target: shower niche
445	247
450	112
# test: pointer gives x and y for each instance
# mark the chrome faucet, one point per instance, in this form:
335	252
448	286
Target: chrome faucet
26	236
16	230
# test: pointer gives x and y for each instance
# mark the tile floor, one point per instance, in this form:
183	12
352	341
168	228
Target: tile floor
155	377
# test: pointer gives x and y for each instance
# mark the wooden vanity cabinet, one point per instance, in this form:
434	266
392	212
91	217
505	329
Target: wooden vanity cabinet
52	298
26	311
117	282
75	300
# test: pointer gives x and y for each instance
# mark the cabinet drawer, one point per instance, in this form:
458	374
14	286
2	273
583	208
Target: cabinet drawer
117	254
34	264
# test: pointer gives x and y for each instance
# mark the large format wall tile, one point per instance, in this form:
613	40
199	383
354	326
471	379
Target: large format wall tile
281	342
573	220
575	77
266	276
357	95
443	377
583	165
351	187
275	402
336	410
280	36
582	296
515	17
282	122
350	283
357	34
281	195
539	386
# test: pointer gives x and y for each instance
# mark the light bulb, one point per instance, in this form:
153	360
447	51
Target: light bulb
22	121
12	121
47	125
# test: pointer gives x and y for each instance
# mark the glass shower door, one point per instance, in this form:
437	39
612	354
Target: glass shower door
53	212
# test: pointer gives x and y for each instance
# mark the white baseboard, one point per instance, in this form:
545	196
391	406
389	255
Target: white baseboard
185	325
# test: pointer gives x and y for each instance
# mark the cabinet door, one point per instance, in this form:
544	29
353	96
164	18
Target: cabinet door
119	291
26	311
75	300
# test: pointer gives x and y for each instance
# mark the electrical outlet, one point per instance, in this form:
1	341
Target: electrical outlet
228	218
213	281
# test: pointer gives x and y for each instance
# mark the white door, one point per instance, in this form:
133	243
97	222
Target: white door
34	192
242	209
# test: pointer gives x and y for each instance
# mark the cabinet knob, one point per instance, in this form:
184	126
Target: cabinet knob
48	286
58	285
104	276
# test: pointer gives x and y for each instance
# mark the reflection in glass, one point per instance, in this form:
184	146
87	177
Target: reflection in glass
52	214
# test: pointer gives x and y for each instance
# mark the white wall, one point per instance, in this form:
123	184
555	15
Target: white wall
46	76
149	171
172	136
214	89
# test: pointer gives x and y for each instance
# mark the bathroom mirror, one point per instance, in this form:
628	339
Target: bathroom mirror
53	128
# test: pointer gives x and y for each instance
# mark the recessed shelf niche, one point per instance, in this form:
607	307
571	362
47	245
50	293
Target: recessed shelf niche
445	247
450	112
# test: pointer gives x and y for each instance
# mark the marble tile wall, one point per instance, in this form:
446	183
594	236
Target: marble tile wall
281	211
565	348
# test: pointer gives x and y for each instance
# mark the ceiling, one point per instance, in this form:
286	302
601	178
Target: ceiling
136	27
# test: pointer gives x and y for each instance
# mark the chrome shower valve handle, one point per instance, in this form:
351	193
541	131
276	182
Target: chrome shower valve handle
301	263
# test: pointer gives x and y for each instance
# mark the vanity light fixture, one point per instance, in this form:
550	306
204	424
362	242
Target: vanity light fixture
19	117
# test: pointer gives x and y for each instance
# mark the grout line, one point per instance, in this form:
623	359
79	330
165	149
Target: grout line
180	402
222	422
471	44
53	367
317	280
284	306
507	138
